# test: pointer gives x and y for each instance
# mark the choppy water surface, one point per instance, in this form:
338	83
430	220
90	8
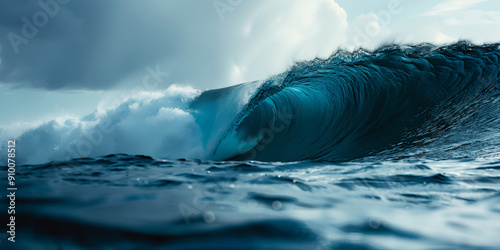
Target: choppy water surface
131	202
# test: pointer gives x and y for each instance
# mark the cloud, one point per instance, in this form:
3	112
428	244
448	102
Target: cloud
366	31
451	6
277	33
91	44
450	21
103	44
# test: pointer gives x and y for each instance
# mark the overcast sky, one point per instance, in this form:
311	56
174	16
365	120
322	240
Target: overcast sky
65	56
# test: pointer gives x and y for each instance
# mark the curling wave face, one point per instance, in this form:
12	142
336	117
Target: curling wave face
389	101
354	104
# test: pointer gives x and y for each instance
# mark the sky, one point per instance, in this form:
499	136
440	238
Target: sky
67	57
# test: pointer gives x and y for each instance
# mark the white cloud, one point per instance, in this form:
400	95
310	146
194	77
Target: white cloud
367	32
277	33
451	21
451	6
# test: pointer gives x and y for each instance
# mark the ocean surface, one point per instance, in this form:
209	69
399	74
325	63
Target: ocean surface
397	148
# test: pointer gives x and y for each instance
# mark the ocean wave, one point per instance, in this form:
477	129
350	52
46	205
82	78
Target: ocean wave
351	105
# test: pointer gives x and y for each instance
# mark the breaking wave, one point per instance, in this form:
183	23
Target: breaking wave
396	101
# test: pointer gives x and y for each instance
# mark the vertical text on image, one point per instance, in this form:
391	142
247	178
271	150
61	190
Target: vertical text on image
11	189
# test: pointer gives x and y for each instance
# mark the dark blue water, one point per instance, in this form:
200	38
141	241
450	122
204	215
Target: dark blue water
136	202
393	149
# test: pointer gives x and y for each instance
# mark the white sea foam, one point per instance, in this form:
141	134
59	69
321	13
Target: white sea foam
157	124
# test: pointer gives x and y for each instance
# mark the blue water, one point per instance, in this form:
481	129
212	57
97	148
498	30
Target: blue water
136	202
392	149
